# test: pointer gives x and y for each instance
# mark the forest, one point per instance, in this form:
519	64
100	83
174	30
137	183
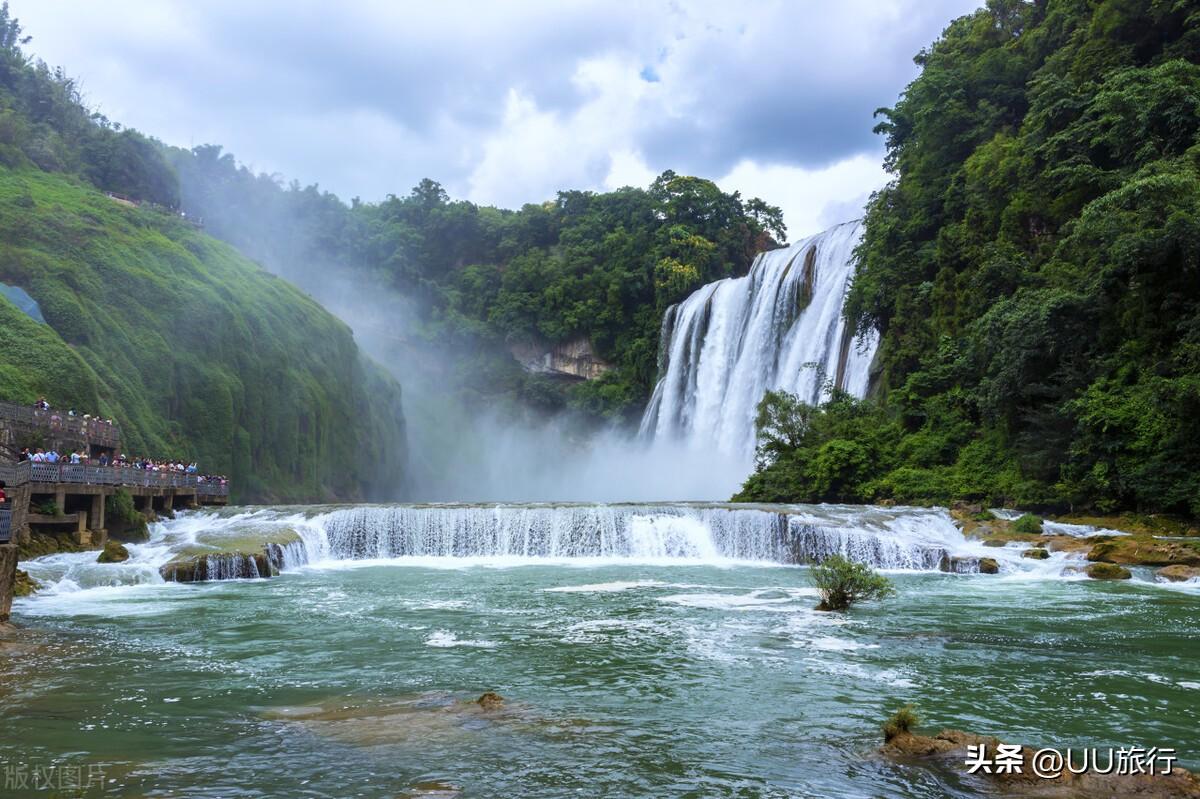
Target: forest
1033	269
477	280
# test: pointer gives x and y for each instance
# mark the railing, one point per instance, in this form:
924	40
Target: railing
5	526
95	431
34	472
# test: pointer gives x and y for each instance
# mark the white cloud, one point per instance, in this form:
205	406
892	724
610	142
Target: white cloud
508	103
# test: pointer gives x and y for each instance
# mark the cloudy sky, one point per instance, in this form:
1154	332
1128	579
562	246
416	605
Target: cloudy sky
507	102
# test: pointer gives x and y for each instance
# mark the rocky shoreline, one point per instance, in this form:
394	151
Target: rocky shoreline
1119	542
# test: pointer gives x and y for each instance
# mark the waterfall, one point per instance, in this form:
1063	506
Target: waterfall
898	539
779	327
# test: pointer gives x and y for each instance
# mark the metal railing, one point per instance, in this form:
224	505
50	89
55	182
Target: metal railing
96	431
32	472
5	526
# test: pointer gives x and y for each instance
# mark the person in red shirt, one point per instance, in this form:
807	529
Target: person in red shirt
3	496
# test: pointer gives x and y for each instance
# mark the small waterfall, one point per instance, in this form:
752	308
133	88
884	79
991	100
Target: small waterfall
902	539
779	327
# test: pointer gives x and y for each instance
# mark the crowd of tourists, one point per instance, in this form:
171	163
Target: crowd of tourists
71	418
121	462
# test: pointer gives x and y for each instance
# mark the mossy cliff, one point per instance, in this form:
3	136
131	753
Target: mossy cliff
196	351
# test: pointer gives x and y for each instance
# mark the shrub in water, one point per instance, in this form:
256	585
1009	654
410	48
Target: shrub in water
842	583
1028	524
903	720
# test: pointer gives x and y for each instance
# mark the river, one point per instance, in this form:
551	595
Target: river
642	651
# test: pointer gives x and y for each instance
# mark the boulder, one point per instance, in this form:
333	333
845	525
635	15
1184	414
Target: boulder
1037	553
24	585
989	566
114	552
490	701
1108	571
1177	573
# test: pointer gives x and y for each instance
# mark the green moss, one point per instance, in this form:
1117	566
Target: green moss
114	552
1108	571
198	353
24	584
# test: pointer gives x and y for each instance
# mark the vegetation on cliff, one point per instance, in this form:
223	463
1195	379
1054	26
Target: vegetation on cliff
596	266
1033	271
198	353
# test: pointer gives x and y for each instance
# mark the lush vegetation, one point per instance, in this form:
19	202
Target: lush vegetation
1033	269
197	353
479	280
843	583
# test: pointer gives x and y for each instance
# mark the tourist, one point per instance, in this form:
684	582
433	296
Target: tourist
23	455
3	496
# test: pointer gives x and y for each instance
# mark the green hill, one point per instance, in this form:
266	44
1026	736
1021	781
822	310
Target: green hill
1033	270
196	351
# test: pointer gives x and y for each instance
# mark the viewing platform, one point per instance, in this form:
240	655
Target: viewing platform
57	429
78	493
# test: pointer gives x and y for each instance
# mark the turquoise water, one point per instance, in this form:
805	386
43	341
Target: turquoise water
620	678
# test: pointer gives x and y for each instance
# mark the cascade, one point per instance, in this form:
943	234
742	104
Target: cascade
779	327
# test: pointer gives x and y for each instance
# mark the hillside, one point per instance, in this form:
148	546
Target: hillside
197	352
1033	270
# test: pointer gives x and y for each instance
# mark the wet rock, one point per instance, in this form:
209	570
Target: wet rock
1177	573
24	585
955	564
114	552
989	566
965	507
1108	571
218	566
994	542
490	700
1037	553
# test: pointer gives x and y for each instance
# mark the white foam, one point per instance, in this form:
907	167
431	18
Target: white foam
444	639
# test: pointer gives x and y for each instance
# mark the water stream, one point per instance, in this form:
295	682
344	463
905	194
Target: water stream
643	651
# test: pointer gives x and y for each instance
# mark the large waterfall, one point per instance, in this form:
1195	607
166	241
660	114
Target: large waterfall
779	327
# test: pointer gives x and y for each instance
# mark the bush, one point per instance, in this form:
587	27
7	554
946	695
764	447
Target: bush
902	721
48	508
123	519
1028	524
843	582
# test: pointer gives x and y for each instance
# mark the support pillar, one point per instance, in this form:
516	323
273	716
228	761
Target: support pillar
8	579
96	517
60	498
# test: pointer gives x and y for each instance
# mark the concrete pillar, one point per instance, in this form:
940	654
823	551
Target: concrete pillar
8	579
96	517
147	504
60	499
168	502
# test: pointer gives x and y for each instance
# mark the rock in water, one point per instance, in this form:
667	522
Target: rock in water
1177	573
1037	553
114	552
1108	571
490	701
989	566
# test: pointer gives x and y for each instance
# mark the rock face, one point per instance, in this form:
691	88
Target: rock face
573	360
989	566
1178	573
1108	571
